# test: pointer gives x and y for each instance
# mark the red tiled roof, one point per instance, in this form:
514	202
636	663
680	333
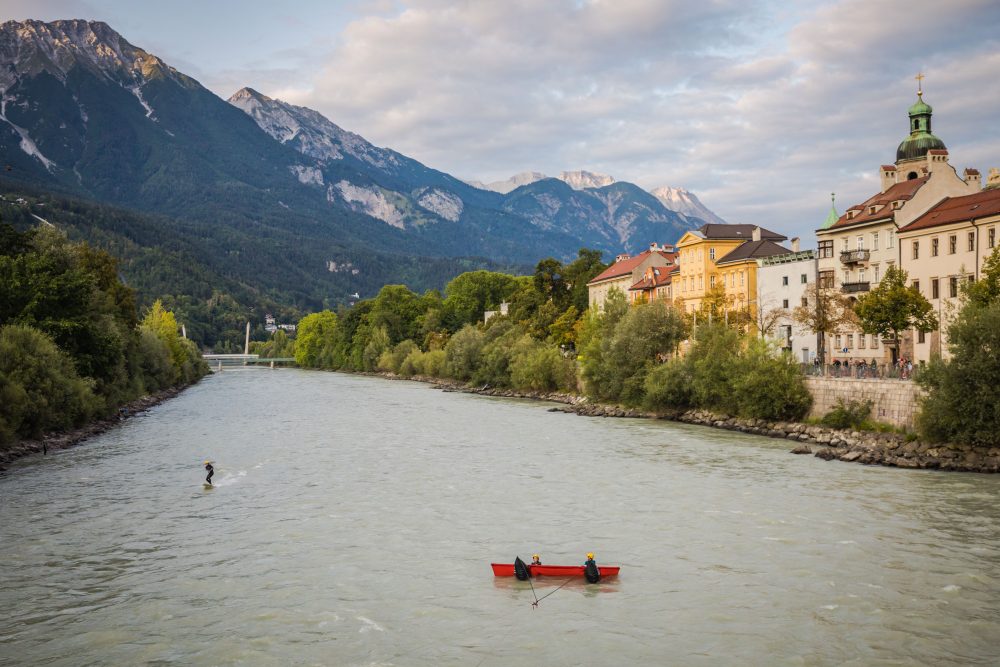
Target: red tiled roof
904	190
889	167
662	275
958	209
626	266
937	151
970	170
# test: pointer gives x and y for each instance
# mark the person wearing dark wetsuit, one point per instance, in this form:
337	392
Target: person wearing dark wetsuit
211	471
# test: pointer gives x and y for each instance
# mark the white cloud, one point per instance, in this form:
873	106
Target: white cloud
760	111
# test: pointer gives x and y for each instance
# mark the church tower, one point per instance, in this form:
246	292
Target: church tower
912	151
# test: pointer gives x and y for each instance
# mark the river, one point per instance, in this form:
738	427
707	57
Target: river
354	520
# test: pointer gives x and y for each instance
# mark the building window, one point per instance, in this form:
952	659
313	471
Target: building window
845	244
935	288
741	278
916	286
711	281
953	286
874	240
861	242
890	239
701	282
805	302
934	247
826	278
874	342
972	242
861	275
952	244
836	340
921	337
803	278
711	253
784	304
875	271
825	249
850	341
861	341
847	277
992	236
784	281
916	250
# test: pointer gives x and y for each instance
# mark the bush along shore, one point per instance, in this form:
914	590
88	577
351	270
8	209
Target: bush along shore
872	448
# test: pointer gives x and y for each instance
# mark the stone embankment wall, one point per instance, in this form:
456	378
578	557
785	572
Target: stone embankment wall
893	401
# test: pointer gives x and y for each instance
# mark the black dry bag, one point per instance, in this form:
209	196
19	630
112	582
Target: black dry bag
591	572
521	570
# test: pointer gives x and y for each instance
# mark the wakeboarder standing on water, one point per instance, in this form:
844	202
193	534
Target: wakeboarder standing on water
211	471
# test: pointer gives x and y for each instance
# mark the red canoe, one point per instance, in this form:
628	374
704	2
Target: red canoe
507	570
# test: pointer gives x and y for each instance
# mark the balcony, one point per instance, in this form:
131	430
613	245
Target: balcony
854	256
858	286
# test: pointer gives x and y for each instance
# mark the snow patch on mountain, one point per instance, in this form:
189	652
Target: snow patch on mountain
445	204
137	91
581	180
27	145
307	175
686	203
369	200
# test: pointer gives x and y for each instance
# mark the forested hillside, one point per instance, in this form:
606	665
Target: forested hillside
216	277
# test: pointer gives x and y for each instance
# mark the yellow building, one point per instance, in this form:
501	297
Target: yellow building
700	252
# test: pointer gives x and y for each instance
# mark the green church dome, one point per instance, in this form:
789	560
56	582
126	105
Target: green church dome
920	140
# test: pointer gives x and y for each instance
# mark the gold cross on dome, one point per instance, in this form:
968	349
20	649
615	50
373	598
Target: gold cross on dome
920	82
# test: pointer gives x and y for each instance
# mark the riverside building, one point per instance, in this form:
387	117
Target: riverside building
854	251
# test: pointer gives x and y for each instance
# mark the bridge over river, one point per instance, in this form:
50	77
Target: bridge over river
232	362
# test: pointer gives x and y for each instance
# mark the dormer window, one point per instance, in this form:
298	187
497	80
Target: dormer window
872	209
896	205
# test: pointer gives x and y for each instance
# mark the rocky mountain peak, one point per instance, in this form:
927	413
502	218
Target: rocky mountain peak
30	47
685	202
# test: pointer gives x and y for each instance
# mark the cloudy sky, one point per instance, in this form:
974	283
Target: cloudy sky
761	108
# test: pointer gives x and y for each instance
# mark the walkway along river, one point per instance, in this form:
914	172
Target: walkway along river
354	520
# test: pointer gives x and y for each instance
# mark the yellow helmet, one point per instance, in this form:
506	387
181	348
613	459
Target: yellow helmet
208	463
590	556
535	556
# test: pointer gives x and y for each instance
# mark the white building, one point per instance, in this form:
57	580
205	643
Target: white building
781	287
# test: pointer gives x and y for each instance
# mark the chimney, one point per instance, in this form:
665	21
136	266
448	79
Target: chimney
795	244
973	179
654	246
888	175
756	234
622	257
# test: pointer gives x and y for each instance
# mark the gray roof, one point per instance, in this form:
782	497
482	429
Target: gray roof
714	231
753	250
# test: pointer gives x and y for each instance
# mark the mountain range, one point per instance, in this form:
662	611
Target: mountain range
84	113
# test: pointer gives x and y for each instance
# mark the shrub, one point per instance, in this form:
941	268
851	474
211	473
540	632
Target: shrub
423	363
713	366
541	367
463	351
39	384
668	386
848	414
392	360
769	385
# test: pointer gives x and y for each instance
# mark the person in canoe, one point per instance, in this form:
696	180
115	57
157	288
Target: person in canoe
590	570
536	559
211	471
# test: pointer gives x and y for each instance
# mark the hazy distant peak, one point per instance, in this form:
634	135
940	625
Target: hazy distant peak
580	180
510	184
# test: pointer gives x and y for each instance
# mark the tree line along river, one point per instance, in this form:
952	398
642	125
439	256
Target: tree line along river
354	520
